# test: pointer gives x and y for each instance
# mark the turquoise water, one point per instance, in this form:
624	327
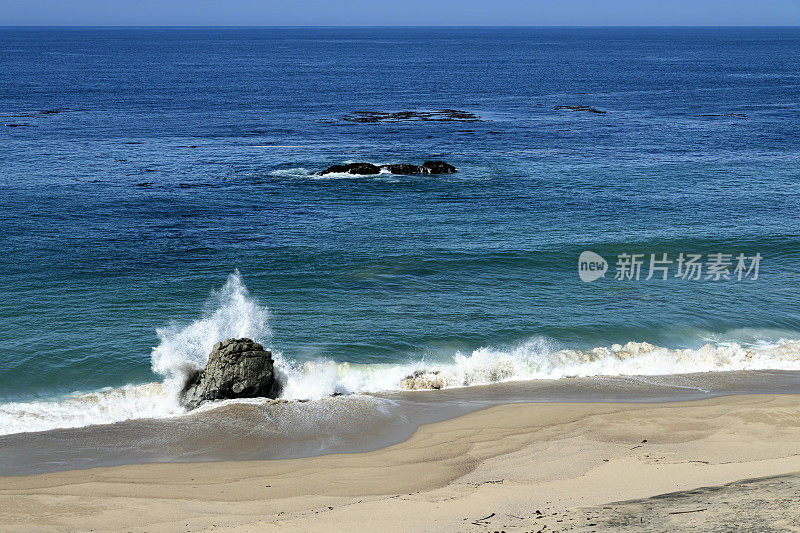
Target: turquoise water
179	157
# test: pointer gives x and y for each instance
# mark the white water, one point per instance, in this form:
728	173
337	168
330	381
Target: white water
305	173
232	313
103	407
536	360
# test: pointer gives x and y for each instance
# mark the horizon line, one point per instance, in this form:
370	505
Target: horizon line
288	26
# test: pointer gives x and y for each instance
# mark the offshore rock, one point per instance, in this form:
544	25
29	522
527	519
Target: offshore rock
438	115
437	167
236	368
362	169
406	169
403	169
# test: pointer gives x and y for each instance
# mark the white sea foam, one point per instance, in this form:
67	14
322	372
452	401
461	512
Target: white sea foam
296	172
305	173
151	400
232	313
383	175
536	359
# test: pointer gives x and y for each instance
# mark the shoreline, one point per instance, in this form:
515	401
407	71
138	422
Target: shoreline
264	429
493	468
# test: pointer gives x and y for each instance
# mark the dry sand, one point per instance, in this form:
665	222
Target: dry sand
514	467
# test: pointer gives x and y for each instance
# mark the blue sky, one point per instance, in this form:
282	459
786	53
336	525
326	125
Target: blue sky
400	12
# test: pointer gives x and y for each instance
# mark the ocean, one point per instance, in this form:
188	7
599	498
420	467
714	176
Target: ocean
158	192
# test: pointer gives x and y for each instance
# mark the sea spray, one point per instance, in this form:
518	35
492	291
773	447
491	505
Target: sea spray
230	312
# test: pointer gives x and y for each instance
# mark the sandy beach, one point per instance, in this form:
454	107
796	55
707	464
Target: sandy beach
510	467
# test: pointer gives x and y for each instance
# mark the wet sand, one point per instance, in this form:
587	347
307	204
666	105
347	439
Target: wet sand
508	467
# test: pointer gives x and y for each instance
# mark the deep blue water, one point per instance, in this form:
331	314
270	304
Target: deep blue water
226	126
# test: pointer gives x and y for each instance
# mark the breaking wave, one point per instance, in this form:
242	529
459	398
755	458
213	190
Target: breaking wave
232	312
536	359
107	406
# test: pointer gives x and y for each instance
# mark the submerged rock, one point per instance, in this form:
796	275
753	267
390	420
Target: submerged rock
587	108
406	169
236	368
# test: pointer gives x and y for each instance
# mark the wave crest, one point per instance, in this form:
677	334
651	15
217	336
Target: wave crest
537	359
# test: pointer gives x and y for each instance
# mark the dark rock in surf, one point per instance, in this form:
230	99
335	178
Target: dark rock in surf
362	169
403	169
437	167
406	169
236	368
421	379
